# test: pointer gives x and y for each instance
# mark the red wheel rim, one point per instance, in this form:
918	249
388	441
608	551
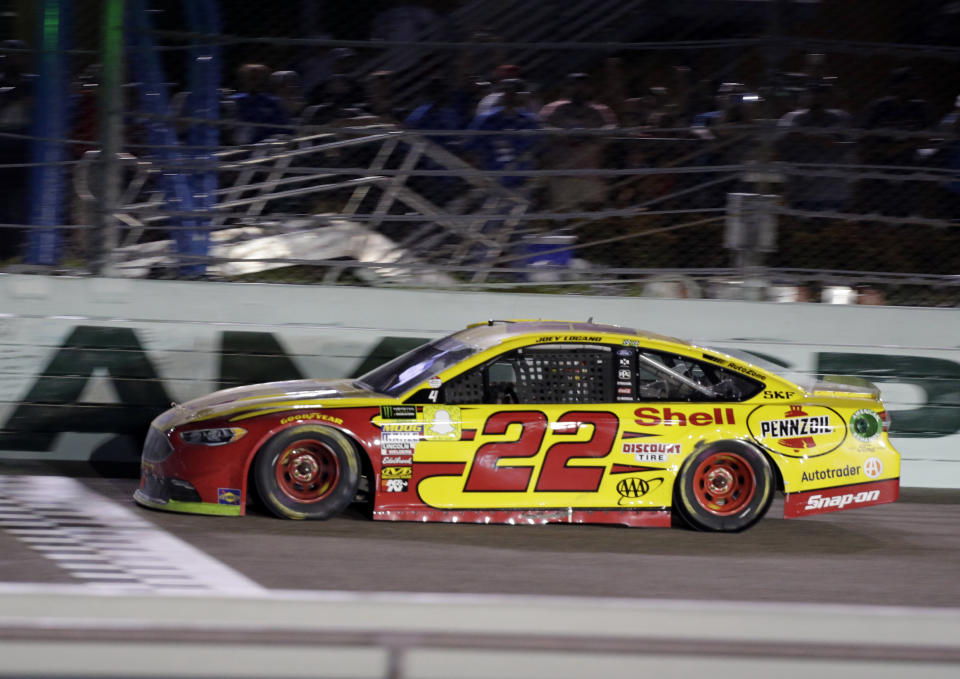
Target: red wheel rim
724	483
307	471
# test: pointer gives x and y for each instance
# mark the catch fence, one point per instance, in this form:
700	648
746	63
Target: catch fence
797	151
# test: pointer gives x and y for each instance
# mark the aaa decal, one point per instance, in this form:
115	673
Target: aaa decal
797	431
634	488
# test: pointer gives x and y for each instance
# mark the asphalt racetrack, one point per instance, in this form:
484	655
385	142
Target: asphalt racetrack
903	554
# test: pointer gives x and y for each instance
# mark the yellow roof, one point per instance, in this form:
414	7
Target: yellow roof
491	333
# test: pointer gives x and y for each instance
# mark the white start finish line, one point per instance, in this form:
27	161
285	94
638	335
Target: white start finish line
106	545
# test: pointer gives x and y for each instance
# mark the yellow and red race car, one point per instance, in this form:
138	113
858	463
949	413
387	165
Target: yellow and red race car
533	422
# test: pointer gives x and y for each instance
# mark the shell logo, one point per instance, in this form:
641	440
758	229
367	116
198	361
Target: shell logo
797	430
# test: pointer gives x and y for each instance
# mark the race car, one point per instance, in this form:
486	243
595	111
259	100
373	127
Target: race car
533	422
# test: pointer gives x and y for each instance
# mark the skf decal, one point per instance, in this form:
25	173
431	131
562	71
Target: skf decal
772	394
797	431
396	473
634	488
651	417
311	416
228	496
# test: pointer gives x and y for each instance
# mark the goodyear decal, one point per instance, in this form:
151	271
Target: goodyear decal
798	430
323	417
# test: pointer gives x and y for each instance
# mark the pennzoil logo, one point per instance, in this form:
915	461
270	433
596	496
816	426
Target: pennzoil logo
396	473
797	430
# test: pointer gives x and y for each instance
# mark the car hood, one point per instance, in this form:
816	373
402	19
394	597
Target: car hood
261	397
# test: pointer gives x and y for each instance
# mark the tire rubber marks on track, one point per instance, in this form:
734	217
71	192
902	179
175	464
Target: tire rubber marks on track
105	544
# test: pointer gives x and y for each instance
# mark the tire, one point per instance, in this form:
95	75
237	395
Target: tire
307	472
727	487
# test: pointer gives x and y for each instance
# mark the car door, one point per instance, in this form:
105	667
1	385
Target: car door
541	428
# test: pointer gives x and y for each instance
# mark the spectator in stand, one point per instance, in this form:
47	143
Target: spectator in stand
639	146
506	151
16	104
733	141
900	111
797	144
287	87
950	158
577	151
341	96
491	100
259	114
380	98
445	109
733	109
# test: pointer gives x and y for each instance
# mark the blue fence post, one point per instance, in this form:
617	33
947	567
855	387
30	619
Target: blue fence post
162	136
203	102
49	129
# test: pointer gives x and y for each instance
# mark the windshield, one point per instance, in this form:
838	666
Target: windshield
415	366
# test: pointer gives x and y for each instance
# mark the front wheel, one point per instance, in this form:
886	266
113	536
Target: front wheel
727	486
307	472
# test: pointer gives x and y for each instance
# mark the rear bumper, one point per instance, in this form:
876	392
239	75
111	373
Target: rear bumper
823	500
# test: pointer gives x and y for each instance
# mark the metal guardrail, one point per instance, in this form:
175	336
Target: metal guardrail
73	632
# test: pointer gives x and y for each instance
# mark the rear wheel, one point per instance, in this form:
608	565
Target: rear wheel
727	486
308	472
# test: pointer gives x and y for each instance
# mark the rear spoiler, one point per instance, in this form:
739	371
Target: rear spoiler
846	386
